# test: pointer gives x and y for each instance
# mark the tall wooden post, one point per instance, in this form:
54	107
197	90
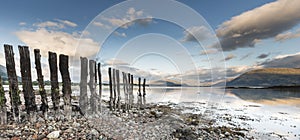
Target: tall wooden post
118	89
110	88
93	98
54	80
139	94
66	85
100	86
129	91
3	111
83	100
144	91
27	82
114	87
40	79
13	81
125	87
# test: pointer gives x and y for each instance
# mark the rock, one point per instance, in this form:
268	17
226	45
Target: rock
227	133
50	128
53	135
75	124
95	133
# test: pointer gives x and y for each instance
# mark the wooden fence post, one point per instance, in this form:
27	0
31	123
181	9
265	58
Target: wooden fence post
3	111
115	92
139	94
40	79
129	91
100	87
13	82
118	90
144	91
54	80
66	85
83	100
28	93
110	88
125	87
93	98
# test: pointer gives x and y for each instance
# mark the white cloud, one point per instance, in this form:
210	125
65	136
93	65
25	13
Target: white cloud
120	34
229	57
100	24
68	23
22	23
287	35
131	17
263	22
57	41
199	32
283	61
209	51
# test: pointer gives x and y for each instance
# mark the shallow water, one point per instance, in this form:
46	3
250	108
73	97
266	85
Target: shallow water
268	113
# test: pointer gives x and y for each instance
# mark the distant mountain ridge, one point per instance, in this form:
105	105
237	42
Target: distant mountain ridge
267	77
3	73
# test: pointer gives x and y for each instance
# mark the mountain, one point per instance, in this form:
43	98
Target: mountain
267	77
3	73
167	83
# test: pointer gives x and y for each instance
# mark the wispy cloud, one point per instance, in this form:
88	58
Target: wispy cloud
131	17
116	33
287	35
245	29
262	56
196	32
22	23
246	56
208	51
229	57
58	23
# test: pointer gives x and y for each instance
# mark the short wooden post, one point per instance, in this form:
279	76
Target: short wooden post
54	80
83	100
3	110
13	82
118	90
100	87
129	91
139	94
40	79
92	86
66	85
110	88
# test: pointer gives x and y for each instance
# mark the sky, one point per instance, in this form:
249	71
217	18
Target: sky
187	41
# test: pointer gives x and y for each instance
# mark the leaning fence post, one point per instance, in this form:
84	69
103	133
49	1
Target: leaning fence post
13	82
40	79
28	93
66	85
83	100
115	92
3	111
54	81
110	88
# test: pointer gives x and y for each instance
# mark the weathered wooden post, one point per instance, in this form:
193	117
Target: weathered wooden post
139	94
115	92
83	99
66	85
3	111
118	90
40	79
129	91
28	93
125	87
100	87
93	98
144	91
54	81
110	88
13	82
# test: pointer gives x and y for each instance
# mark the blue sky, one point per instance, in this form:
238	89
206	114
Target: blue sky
250	35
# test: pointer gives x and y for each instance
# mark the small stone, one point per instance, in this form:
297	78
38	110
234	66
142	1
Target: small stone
227	133
95	132
53	135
